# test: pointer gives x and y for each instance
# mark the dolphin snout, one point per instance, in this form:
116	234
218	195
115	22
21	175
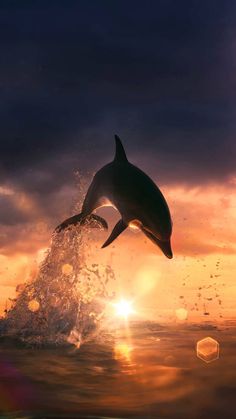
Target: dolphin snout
166	248
164	245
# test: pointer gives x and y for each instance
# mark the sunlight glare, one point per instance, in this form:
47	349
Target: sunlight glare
123	308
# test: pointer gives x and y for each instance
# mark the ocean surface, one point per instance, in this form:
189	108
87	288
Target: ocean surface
138	370
62	357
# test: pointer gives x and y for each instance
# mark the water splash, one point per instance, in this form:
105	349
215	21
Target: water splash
66	302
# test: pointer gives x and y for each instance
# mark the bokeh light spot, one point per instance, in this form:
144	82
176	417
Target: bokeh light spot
123	308
181	313
33	305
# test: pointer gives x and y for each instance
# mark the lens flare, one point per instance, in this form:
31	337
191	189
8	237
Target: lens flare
208	349
123	308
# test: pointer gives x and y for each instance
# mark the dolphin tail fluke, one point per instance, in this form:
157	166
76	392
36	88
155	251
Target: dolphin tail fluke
117	230
82	219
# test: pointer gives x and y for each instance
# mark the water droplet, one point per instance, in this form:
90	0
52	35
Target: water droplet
33	305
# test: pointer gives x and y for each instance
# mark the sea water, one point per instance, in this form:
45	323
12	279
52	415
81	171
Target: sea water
59	357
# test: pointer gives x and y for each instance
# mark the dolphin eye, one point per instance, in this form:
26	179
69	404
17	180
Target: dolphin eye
135	224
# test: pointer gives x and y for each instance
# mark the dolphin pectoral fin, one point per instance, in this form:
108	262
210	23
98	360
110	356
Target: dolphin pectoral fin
165	246
82	219
117	230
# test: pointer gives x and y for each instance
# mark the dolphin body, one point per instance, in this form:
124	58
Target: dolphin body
139	201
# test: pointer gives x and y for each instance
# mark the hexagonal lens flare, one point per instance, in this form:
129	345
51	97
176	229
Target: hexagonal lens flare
208	349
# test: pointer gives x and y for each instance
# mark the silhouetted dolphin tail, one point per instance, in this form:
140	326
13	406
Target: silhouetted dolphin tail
120	154
117	230
82	219
165	246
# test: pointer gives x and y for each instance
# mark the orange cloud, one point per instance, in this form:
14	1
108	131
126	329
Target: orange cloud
204	229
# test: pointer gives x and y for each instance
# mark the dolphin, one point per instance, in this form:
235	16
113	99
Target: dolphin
137	198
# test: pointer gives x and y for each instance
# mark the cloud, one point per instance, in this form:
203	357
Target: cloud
73	75
204	219
159	80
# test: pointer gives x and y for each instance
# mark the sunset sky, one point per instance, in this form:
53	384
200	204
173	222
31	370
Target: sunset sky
161	75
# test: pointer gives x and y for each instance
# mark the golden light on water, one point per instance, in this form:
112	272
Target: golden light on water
123	308
123	351
33	305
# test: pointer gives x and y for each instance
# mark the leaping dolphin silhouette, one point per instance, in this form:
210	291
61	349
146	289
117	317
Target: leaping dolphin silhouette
137	198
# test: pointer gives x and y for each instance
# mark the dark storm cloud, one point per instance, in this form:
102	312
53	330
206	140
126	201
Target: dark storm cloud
72	73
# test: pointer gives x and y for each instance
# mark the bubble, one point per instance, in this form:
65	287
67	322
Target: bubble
181	313
33	305
208	349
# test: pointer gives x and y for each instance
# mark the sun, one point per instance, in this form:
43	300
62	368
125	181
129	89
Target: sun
123	308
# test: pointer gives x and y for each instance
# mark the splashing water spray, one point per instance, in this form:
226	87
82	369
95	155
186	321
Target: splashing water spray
66	302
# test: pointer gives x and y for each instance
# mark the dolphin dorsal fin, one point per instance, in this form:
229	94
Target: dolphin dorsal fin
120	152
